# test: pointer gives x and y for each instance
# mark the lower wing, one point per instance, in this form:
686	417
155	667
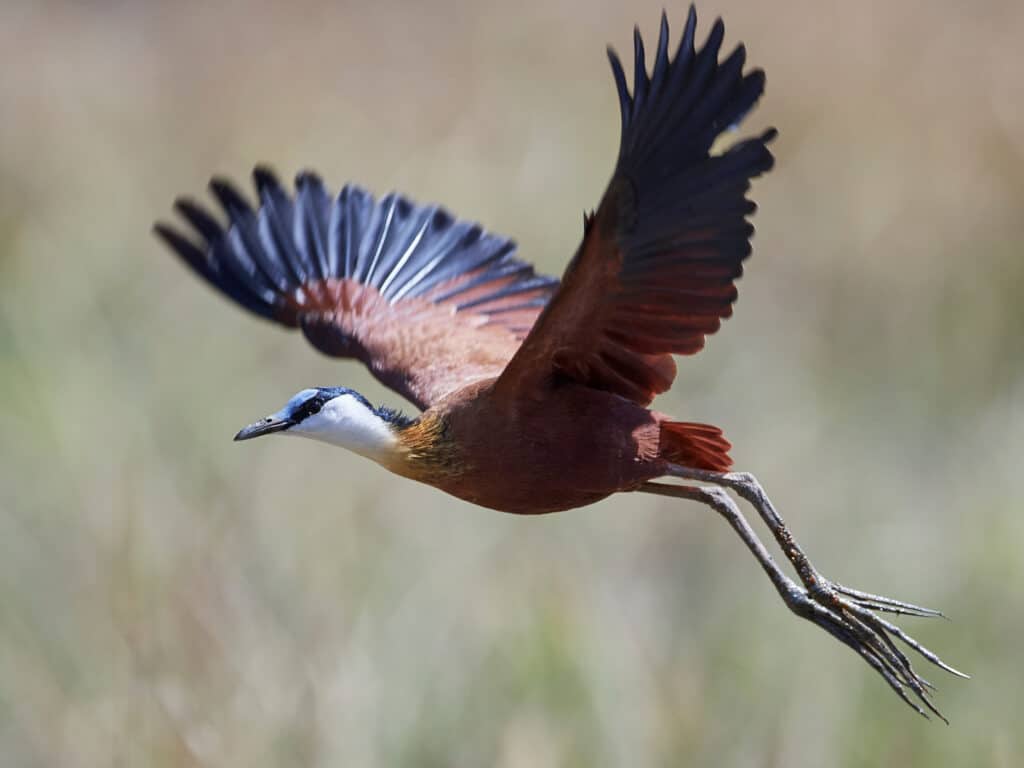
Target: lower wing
428	302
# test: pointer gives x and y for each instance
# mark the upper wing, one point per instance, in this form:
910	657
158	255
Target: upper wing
429	303
655	272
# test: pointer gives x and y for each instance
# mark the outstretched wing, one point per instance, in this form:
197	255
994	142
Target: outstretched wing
656	269
429	303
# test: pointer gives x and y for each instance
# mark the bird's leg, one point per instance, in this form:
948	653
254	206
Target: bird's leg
847	614
719	500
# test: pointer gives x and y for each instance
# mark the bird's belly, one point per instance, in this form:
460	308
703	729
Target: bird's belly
523	496
548	478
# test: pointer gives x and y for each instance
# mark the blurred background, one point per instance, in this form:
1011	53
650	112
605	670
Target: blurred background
168	598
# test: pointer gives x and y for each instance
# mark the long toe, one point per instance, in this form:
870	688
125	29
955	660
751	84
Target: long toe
850	616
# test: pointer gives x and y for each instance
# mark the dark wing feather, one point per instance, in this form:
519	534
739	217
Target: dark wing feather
656	269
428	302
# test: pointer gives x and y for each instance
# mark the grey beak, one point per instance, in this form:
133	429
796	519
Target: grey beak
263	427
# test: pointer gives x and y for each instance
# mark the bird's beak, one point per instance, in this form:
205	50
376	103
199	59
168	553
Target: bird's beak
263	427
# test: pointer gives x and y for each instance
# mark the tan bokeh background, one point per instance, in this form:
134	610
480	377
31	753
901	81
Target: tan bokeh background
168	598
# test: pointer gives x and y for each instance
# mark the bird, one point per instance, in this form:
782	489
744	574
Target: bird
533	392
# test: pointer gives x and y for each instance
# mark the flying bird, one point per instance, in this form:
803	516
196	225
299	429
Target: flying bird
533	391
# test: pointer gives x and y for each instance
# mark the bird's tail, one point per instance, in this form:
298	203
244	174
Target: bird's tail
698	446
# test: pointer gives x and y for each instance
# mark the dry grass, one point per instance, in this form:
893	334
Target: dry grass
169	598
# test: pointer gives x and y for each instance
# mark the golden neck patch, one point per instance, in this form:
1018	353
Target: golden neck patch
426	451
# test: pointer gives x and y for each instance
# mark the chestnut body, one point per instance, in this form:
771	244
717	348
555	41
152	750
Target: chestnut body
571	448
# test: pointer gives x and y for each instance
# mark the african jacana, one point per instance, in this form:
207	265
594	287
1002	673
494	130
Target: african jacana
534	391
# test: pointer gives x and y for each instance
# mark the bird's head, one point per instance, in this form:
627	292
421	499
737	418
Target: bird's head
338	416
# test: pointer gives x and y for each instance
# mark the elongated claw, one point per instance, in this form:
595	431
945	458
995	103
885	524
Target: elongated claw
887	604
848	615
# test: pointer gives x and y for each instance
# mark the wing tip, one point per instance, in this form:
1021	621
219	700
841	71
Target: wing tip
673	116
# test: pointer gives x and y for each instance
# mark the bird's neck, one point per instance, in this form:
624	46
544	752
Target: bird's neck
416	448
425	450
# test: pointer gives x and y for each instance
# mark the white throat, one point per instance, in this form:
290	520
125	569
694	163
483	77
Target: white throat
349	423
